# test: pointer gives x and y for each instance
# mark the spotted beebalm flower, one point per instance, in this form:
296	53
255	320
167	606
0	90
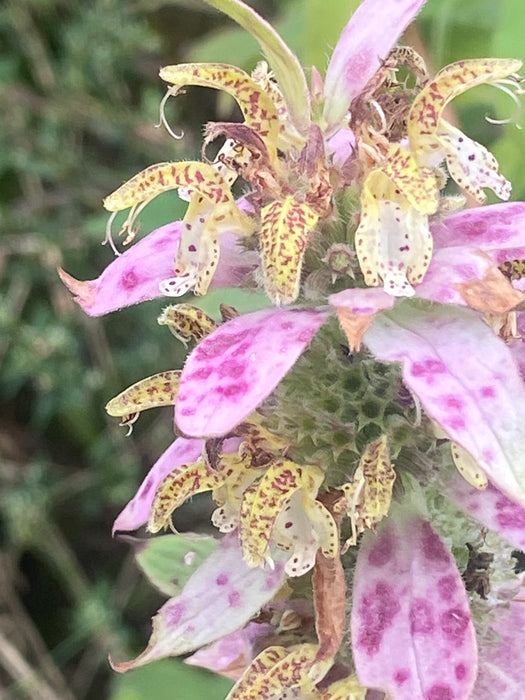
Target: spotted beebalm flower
360	435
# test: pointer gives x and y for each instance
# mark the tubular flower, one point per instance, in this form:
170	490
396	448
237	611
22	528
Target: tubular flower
341	429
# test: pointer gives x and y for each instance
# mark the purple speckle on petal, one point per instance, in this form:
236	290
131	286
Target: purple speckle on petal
163	242
433	547
439	691
461	671
305	336
188	411
453	402
222	579
381	552
401	675
242	349
377	611
446	587
287	325
148	484
233	389
510	515
129	279
427	369
234	599
455	423
488	392
231	368
454	623
175	612
421	617
201	373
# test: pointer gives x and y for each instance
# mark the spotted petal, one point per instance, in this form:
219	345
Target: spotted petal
433	139
367	39
409	597
236	367
282	507
285	230
221	596
496	229
137	511
285	64
478	403
183	482
461	275
277	670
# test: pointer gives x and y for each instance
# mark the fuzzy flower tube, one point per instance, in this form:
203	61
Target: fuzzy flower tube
362	435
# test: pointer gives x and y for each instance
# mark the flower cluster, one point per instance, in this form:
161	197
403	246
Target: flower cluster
360	435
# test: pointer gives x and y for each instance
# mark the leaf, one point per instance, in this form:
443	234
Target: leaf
412	631
160	678
168	561
284	63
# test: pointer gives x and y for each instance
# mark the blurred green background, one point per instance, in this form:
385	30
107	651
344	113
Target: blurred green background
79	104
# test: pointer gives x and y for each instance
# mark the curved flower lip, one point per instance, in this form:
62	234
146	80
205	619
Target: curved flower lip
182	451
371	32
135	275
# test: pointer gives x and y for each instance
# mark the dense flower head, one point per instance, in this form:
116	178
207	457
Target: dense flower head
359	434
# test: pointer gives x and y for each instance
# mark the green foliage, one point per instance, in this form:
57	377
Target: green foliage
169	560
169	680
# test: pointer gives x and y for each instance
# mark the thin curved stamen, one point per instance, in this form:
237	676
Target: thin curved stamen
109	236
513	91
129	224
129	421
170	92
